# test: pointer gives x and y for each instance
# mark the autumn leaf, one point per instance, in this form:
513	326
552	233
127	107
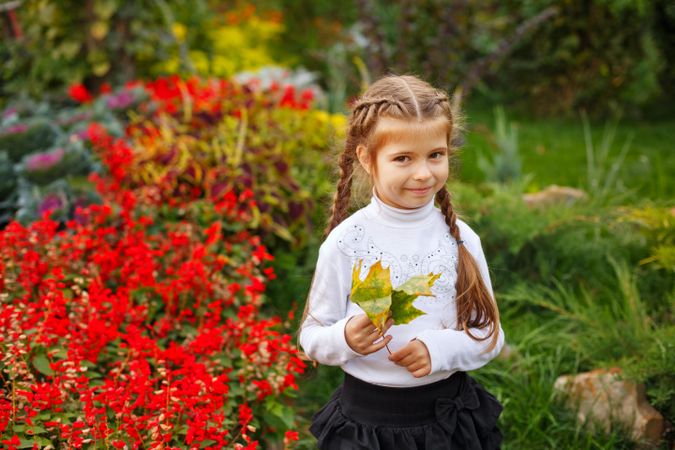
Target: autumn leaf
373	294
402	309
377	298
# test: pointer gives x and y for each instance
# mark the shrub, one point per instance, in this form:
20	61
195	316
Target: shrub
67	42
598	55
205	136
21	139
233	42
570	243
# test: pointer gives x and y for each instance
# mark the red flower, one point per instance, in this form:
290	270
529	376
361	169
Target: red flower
79	93
105	88
291	436
245	414
12	443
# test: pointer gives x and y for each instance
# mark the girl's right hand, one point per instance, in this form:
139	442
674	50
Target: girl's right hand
362	336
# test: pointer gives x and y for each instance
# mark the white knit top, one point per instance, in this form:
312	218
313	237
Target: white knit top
409	242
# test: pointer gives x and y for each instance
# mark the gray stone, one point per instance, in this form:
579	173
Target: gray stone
603	399
554	195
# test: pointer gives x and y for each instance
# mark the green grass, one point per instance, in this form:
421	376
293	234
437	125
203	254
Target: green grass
553	151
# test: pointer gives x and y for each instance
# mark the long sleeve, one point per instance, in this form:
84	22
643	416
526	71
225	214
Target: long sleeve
452	350
322	334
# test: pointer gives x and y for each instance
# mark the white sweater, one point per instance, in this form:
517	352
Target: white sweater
409	242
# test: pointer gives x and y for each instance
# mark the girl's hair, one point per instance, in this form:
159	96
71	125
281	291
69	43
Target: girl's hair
407	97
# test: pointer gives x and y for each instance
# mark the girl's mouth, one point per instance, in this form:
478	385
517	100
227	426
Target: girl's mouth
420	190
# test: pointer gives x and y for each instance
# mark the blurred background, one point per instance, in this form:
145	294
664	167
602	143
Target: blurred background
565	167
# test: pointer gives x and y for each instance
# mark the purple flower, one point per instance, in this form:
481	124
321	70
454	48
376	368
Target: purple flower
82	135
45	160
121	100
50	203
9	112
16	129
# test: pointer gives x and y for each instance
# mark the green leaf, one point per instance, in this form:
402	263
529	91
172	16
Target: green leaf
41	363
402	309
373	294
377	298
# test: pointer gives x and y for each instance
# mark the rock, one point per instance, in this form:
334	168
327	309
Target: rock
554	195
604	399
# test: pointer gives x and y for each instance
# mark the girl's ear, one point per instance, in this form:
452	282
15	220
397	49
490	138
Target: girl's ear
364	157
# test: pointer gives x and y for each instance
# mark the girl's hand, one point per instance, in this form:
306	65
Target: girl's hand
414	357
362	336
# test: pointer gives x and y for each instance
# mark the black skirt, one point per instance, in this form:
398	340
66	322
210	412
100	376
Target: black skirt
455	413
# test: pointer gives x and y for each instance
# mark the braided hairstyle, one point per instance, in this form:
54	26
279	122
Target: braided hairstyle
407	97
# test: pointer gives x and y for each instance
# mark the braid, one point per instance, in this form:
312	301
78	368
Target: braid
367	111
475	305
363	120
344	187
444	202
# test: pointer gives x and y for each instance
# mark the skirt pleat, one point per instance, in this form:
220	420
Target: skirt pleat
453	414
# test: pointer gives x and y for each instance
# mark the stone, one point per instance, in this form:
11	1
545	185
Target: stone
554	195
603	399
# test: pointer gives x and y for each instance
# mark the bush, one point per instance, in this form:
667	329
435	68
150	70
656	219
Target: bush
570	243
21	139
600	56
67	42
202	137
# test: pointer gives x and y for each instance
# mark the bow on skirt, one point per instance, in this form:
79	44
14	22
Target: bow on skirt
469	417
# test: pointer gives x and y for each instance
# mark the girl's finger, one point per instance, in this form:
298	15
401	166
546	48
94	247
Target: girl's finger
407	360
415	366
375	346
420	372
388	325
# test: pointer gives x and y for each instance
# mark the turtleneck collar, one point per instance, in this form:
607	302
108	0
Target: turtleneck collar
399	215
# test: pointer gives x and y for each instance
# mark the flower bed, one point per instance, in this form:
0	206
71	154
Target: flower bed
129	328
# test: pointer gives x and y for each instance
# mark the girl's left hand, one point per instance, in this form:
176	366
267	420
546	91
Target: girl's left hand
414	357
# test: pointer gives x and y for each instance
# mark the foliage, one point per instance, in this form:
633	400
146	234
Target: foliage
523	382
572	244
602	172
505	165
48	151
20	139
68	42
191	139
207	136
237	41
655	369
599	55
125	328
656	225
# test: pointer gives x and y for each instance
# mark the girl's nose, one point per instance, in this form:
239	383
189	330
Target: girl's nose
422	172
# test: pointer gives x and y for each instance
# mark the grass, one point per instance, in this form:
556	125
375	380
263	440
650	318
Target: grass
553	151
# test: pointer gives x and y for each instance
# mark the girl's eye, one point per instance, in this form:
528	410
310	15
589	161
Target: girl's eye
436	155
402	158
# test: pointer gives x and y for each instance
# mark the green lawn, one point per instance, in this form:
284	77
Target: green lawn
553	151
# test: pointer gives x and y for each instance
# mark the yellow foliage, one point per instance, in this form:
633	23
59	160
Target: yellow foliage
235	48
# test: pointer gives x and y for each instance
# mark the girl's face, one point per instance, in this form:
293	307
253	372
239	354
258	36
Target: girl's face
411	163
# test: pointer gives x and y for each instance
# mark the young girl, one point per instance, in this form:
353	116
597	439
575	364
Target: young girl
419	396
